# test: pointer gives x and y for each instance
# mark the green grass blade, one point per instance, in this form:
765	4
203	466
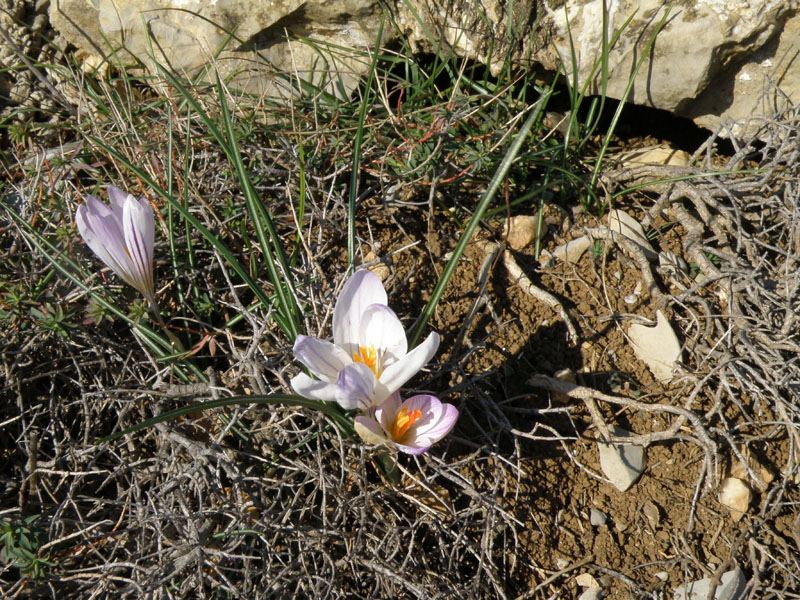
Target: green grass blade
624	99
271	248
362	115
331	411
483	204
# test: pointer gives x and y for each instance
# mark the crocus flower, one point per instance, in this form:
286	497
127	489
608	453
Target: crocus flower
121	236
413	425
369	358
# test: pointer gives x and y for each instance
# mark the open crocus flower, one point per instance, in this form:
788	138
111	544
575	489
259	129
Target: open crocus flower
121	236
369	358
413	425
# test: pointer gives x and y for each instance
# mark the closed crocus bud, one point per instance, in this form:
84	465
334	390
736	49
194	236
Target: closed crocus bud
121	235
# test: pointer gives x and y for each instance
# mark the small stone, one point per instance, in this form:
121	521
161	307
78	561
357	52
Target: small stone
631	299
597	517
671	263
592	593
379	268
731	585
656	155
621	463
586	580
621	222
736	496
764	474
652	513
662	575
546	260
572	251
521	230
658	347
567	376
562	563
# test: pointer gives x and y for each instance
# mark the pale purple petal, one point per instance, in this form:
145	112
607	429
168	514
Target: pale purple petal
138	226
430	408
369	430
102	232
117	198
425	403
409	449
435	422
431	432
356	387
396	374
381	329
307	387
362	289
322	358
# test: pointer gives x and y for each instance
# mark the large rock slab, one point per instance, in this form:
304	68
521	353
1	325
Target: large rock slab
711	62
189	35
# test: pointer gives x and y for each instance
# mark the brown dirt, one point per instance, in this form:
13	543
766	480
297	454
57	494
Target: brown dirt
652	528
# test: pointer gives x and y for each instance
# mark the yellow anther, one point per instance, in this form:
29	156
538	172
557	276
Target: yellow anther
404	420
368	356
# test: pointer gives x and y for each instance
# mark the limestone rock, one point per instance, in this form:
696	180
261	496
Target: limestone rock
712	59
586	580
566	375
657	347
655	155
621	222
731	586
572	251
519	231
736	496
597	517
621	463
592	593
764	473
187	34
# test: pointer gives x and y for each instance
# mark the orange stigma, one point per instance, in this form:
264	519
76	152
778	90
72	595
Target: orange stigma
404	420
367	355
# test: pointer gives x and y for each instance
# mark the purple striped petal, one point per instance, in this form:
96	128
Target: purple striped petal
356	387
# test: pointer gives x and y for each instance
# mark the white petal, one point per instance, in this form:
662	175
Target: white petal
381	328
304	386
396	374
386	411
321	357
362	289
